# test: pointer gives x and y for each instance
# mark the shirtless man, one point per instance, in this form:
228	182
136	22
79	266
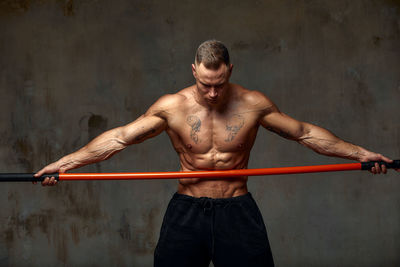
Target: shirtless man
213	125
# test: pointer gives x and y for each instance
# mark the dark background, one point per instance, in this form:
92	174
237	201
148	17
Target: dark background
70	70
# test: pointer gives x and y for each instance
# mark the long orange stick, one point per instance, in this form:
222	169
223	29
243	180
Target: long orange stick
15	177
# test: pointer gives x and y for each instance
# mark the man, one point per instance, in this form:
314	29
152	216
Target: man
212	125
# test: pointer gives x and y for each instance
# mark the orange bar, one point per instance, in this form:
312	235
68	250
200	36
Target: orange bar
209	174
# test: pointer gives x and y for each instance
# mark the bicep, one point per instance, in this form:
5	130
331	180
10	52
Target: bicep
152	123
284	125
146	126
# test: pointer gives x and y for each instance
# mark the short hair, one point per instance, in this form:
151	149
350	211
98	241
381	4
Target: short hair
212	54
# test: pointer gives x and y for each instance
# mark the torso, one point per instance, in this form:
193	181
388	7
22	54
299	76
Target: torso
206	139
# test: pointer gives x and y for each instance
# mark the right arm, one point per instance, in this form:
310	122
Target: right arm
152	123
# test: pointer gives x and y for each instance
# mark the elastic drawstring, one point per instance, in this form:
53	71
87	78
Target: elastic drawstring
207	204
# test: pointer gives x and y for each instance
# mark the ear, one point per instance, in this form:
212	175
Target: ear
230	69
194	71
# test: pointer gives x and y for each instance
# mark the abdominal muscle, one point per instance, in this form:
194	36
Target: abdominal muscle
213	187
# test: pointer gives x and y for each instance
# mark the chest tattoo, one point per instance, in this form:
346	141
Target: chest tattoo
195	123
233	126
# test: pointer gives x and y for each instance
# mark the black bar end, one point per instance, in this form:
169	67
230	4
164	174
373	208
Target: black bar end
368	165
25	177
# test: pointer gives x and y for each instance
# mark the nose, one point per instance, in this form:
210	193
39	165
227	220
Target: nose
213	93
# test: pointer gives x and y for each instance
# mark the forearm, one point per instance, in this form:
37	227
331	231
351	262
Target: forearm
326	143
99	149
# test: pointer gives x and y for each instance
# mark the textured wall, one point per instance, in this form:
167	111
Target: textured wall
72	69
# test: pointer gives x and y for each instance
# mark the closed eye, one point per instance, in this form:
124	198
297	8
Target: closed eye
205	85
209	85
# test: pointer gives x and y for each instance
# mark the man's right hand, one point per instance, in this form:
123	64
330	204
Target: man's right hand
51	168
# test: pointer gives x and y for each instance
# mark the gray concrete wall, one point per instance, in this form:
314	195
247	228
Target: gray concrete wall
72	69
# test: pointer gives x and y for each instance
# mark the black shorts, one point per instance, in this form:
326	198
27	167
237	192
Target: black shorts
227	231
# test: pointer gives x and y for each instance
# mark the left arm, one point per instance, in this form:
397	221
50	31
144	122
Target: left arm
318	139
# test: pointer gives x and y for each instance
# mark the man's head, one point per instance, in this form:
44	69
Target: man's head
212	54
212	70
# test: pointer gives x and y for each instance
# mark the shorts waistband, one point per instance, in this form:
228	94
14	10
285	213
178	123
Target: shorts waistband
178	196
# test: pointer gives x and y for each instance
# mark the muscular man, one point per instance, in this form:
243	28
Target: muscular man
213	125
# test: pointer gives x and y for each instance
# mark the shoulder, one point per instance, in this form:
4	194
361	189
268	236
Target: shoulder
169	102
255	100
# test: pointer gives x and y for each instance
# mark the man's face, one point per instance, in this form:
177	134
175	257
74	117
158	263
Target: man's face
212	85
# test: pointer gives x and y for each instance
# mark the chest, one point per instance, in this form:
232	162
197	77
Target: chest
202	131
